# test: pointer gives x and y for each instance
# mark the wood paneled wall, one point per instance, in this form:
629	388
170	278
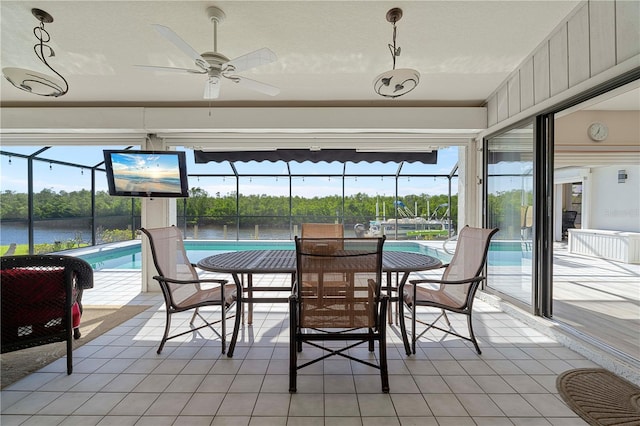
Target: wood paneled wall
598	36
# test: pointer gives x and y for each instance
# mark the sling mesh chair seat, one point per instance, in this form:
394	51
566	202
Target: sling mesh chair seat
454	292
184	290
336	297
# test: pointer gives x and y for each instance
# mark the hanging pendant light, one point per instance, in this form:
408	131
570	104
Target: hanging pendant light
33	81
396	82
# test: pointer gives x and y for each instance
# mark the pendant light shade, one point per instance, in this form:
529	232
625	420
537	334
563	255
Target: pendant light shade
396	82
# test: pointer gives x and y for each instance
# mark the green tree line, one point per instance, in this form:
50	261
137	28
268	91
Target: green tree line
202	207
48	204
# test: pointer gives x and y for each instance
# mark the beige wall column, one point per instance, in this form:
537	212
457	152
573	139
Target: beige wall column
156	212
469	188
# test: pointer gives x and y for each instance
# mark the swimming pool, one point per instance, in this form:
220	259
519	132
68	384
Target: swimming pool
127	256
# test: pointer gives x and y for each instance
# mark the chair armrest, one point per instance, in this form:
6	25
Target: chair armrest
204	280
383	304
432	281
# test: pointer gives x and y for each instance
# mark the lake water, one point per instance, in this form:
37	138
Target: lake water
17	233
13	233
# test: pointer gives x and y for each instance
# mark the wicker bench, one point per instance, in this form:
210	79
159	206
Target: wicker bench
42	300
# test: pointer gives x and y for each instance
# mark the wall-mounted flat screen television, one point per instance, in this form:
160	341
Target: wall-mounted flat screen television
146	173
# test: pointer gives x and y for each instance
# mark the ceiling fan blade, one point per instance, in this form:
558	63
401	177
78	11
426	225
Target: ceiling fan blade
174	38
170	69
258	86
212	88
253	59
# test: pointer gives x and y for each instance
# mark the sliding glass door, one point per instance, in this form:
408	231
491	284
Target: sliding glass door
509	185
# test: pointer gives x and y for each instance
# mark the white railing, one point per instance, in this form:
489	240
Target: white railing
612	245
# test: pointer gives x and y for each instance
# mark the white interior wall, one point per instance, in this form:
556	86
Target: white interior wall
618	204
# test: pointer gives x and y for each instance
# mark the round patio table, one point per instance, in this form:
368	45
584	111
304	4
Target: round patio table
250	262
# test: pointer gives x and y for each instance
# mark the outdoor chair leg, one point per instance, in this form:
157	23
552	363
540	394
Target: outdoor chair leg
293	346
446	318
384	371
236	327
166	332
472	335
403	327
223	327
413	328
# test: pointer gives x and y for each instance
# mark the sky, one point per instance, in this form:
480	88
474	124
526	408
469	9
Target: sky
58	177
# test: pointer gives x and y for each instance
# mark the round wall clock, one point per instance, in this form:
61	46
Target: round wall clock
598	132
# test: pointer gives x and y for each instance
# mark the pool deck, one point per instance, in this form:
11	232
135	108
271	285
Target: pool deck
119	379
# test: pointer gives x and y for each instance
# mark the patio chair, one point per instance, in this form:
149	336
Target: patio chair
184	290
454	292
568	222
336	297
41	300
322	230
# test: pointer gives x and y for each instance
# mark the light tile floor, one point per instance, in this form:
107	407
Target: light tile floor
119	379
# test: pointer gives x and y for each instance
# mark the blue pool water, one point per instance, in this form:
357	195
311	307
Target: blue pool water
129	258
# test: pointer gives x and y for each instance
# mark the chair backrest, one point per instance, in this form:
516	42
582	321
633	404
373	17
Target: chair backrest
38	292
468	261
569	219
526	216
171	261
338	288
324	230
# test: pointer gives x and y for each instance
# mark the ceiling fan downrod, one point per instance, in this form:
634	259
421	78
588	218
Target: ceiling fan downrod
217	16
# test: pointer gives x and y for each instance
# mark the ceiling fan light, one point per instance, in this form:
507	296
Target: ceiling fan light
212	88
396	82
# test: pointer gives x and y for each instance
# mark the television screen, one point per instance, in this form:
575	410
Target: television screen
146	173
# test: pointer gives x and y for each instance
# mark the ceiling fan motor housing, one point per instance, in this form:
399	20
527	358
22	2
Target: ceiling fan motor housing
215	59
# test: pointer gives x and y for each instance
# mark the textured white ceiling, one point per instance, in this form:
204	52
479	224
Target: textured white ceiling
329	51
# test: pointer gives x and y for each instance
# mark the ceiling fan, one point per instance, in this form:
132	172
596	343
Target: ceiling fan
217	66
